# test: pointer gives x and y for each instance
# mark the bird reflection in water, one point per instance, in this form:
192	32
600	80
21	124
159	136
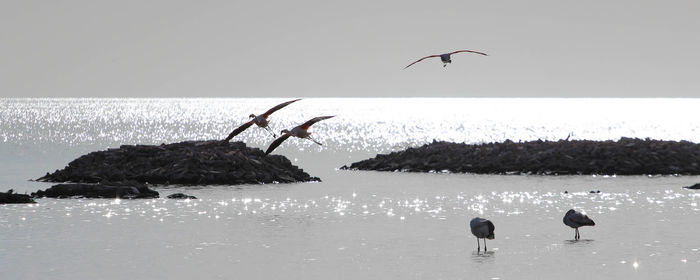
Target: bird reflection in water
483	257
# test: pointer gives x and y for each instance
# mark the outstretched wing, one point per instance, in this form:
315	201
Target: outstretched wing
239	130
277	142
468	51
280	106
310	122
435	55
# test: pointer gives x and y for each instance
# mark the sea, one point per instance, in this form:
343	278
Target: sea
353	224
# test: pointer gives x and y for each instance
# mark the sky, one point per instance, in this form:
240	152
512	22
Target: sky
356	48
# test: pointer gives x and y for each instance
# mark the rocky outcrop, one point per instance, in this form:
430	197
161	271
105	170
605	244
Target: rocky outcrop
694	187
188	163
181	196
104	190
626	156
10	197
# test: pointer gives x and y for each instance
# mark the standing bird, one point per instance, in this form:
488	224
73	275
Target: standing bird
300	131
576	219
482	228
259	120
445	57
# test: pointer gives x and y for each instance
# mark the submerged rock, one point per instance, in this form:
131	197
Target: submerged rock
106	190
181	196
10	197
188	163
694	187
626	156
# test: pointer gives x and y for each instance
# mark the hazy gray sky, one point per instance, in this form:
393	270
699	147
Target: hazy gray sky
357	48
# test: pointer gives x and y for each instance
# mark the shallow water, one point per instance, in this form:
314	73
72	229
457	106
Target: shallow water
354	224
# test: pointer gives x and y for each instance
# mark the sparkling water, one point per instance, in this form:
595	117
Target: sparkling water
354	224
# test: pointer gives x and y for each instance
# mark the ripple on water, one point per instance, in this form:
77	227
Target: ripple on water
507	203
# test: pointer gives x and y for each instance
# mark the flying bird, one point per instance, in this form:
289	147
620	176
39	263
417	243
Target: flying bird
445	57
576	219
259	120
299	131
482	228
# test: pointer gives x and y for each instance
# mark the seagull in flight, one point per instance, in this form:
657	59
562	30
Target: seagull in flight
259	120
445	57
299	132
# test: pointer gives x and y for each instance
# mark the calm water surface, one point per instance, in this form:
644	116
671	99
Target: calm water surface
353	225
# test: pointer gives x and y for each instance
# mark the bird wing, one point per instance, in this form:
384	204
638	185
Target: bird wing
491	226
587	221
454	52
239	130
435	55
277	142
310	122
581	219
280	106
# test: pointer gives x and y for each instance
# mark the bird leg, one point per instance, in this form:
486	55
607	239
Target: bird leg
270	130
485	245
478	245
578	236
309	137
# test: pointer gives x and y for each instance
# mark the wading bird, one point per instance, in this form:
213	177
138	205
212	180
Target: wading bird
445	57
299	131
576	219
482	228
259	120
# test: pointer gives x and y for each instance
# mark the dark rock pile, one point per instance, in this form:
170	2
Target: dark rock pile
626	156
104	190
11	197
188	163
694	187
181	196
